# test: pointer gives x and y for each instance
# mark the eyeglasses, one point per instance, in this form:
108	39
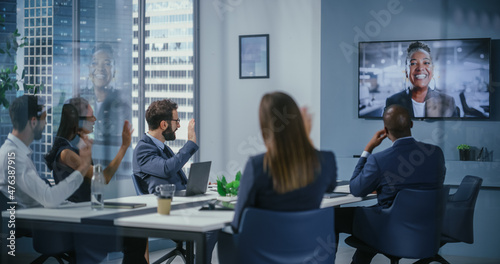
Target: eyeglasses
178	120
86	117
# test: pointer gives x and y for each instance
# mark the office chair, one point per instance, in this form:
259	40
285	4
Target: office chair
179	250
58	245
61	248
409	228
469	111
458	222
280	237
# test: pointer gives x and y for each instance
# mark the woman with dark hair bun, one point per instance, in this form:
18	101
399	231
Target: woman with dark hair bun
77	119
420	99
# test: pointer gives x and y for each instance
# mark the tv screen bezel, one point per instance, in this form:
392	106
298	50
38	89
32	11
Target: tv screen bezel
464	118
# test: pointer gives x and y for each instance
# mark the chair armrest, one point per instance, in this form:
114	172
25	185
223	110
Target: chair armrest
227	229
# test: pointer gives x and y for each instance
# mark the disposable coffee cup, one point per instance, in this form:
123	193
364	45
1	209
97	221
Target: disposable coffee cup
165	192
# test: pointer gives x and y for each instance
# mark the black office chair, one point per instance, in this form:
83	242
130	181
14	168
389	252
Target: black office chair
179	249
469	111
49	244
275	237
56	245
458	222
409	228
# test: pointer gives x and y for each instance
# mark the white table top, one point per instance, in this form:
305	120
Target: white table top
188	219
191	219
75	212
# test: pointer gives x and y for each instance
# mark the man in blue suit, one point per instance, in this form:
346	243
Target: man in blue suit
154	162
407	164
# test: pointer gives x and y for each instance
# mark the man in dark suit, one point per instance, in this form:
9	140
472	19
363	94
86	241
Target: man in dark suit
407	164
154	162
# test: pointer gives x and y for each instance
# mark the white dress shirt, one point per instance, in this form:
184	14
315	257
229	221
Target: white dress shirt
418	108
30	190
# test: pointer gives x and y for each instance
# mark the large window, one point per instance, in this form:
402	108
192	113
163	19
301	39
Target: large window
92	49
168	63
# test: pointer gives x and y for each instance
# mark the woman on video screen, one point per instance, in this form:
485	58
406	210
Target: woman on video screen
420	99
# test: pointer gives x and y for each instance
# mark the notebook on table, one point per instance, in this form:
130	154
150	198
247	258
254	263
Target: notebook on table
198	179
340	190
121	205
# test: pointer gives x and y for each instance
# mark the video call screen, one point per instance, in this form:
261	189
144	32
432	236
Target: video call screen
459	78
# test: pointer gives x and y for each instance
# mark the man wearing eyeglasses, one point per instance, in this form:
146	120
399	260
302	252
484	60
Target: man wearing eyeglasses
154	162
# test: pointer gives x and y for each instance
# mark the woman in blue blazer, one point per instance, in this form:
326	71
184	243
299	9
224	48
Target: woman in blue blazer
292	175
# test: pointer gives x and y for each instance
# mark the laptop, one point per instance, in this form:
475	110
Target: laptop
198	179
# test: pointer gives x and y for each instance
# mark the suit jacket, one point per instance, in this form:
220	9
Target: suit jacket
110	117
62	171
154	167
437	104
406	164
256	188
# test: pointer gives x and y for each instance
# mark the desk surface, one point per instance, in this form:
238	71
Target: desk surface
186	219
185	222
75	213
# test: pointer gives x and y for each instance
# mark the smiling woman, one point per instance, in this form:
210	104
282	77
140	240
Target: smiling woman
420	99
111	109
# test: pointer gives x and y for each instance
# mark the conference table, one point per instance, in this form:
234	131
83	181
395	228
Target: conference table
186	221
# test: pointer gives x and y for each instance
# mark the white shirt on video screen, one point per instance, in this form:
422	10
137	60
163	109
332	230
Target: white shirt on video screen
418	108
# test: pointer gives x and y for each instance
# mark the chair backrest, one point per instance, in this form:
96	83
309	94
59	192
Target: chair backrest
409	228
52	242
138	188
458	220
286	237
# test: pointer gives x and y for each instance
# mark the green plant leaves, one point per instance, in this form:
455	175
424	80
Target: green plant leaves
9	76
221	186
238	176
224	188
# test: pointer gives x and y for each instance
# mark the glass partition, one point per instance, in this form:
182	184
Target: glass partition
90	49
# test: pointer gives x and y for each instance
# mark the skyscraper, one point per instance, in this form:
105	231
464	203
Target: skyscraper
60	59
168	61
39	65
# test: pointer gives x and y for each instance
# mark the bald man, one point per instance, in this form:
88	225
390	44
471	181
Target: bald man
407	164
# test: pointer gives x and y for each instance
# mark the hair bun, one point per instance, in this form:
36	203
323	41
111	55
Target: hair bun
418	45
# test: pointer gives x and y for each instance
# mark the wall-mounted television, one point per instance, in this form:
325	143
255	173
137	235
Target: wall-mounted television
450	82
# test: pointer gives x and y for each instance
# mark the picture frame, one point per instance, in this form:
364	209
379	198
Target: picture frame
254	56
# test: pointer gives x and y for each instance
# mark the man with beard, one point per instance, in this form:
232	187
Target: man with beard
154	162
18	170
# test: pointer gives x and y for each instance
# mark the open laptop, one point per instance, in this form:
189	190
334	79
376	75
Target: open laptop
198	179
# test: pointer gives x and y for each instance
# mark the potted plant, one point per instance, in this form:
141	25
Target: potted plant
464	151
228	189
9	77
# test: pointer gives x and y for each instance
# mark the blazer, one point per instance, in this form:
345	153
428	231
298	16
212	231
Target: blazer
153	167
110	117
407	164
437	104
256	188
62	171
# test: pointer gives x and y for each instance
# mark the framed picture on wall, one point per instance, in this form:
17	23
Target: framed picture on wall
254	56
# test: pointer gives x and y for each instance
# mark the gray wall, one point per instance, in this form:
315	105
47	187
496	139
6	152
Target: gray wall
306	61
346	135
228	121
